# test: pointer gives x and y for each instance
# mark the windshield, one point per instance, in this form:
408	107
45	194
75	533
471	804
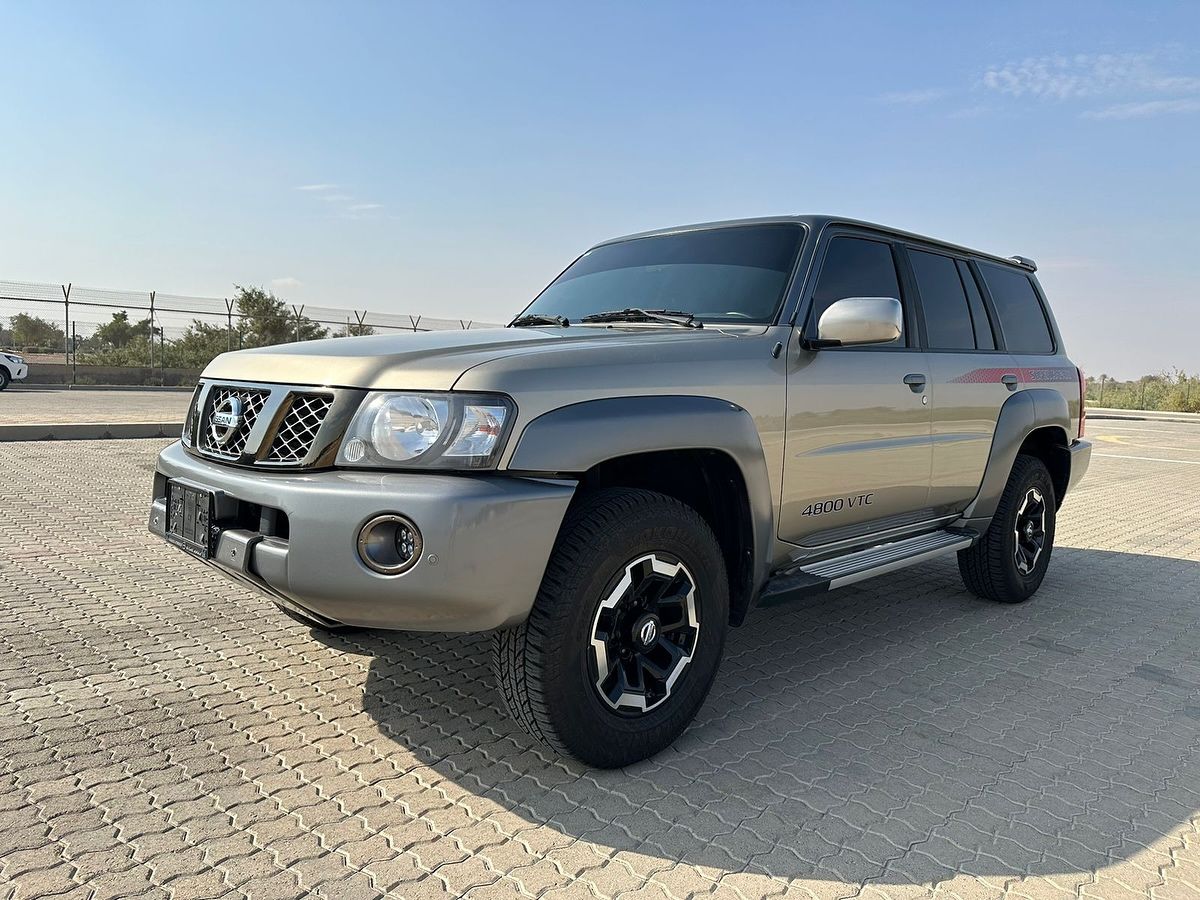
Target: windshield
735	274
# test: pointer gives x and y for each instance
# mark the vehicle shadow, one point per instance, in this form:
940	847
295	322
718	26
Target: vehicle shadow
902	731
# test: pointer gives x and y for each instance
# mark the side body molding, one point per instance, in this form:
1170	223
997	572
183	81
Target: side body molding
1023	412
574	438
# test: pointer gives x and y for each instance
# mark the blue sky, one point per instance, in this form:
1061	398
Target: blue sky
449	158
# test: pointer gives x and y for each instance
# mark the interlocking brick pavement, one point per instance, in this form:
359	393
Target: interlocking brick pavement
164	733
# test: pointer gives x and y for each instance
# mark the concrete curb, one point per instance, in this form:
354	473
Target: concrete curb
89	431
1144	415
153	388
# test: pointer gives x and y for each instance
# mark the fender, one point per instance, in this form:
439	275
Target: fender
1022	413
574	438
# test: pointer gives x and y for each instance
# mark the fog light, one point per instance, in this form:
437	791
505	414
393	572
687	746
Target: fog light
389	544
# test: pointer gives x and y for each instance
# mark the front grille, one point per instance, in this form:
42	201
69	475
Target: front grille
299	427
211	439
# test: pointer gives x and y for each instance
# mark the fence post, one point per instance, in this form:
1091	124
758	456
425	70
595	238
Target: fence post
1100	402
74	351
296	327
229	323
151	336
66	289
415	322
1142	402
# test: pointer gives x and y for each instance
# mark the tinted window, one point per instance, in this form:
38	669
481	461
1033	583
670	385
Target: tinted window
1021	318
733	274
855	267
944	301
984	339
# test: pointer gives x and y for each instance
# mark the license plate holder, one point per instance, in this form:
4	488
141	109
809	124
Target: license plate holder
190	514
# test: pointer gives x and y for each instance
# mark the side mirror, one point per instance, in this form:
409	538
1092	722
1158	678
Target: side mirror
855	321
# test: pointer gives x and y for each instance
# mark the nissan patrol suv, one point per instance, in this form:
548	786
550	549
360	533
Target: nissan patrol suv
685	425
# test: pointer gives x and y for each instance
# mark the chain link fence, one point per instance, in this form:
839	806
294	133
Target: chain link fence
76	335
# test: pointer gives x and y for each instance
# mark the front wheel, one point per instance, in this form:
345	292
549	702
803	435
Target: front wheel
626	634
5	378
1009	562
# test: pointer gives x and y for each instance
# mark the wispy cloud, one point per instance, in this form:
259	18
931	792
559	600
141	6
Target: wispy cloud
1135	79
918	97
287	282
1145	109
342	203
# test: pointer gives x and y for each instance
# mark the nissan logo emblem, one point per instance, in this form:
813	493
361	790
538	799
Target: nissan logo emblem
648	632
226	420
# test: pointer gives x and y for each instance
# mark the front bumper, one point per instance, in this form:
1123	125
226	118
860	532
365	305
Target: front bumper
18	372
486	542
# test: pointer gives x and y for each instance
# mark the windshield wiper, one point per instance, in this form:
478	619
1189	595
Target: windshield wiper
538	319
635	314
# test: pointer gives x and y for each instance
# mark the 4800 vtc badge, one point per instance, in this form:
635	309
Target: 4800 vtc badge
838	504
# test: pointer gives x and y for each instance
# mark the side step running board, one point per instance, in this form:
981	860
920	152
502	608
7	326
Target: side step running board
843	570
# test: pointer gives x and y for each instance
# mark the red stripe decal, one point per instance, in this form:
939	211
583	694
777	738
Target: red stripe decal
1032	375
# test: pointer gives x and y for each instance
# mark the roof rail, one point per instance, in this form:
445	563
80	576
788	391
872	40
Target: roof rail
1024	262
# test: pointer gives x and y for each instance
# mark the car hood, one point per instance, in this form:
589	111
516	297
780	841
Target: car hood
429	360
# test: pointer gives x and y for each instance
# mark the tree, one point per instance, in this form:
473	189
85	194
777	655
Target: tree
199	345
264	320
120	332
33	333
354	329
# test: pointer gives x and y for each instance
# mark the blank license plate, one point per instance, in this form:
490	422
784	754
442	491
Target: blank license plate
189	515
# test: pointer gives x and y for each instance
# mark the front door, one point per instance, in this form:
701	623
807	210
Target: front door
857	451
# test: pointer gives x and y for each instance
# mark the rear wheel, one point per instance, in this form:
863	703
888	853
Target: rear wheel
626	633
1009	562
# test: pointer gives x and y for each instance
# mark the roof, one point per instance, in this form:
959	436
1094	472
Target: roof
818	222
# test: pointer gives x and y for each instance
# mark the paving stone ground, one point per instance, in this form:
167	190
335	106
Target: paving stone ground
20	406
164	733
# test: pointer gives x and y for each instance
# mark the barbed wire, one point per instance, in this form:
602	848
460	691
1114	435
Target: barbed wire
66	328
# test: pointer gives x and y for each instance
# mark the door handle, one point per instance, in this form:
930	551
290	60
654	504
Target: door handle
916	382
1010	381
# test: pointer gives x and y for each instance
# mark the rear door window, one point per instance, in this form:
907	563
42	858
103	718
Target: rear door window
856	267
1022	320
948	324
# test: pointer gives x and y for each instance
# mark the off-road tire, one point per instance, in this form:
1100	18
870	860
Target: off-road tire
5	378
543	665
989	568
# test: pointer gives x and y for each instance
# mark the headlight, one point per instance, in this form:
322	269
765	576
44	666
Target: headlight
14	359
428	430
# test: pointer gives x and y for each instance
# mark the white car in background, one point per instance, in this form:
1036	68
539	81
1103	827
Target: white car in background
12	368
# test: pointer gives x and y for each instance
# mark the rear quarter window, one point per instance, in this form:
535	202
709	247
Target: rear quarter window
1022	319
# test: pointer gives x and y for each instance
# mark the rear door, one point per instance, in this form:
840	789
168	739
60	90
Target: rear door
970	380
857	435
1028	332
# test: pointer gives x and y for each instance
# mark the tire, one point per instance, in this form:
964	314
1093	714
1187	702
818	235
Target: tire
549	667
5	378
999	566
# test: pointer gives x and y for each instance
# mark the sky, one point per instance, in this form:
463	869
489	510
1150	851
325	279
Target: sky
449	159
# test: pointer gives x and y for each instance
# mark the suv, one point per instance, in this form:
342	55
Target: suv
12	368
686	424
